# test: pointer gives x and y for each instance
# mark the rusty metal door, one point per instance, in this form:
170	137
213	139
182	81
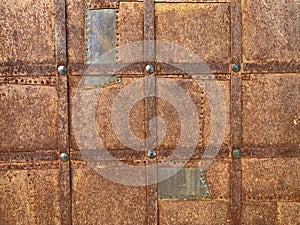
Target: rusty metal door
150	112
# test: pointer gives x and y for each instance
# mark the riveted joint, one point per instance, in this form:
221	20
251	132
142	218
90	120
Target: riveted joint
64	157
151	154
62	69
236	67
149	69
236	153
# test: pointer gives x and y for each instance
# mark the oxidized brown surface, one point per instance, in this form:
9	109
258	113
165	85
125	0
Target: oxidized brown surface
271	110
278	179
28	117
212	30
27	32
194	212
97	200
271	31
26	199
262	111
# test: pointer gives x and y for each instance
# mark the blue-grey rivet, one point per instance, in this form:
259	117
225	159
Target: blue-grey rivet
236	67
151	154
64	157
149	69
62	70
236	153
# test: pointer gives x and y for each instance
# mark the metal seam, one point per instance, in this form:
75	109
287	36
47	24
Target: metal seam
236	113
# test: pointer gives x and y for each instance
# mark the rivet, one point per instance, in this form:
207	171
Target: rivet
149	69
236	67
236	153
151	154
62	70
64	157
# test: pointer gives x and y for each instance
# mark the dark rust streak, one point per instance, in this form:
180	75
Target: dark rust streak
150	90
29	166
271	152
271	67
63	146
236	191
149	31
19	157
60	32
23	69
236	113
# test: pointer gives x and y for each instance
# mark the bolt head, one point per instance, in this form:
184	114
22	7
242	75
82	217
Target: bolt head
236	153
236	67
149	69
62	69
151	154
64	157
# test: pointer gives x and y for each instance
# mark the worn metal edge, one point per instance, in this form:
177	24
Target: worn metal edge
271	152
25	69
236	113
271	67
63	147
27	157
29	80
60	32
29	165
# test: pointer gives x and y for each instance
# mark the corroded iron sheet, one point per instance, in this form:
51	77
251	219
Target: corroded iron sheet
271	179
271	31
104	103
26	199
271	110
97	200
193	212
28	117
27	32
212	23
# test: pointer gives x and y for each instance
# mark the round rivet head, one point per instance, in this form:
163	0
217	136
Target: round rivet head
151	154
149	69
62	70
236	153
64	157
236	67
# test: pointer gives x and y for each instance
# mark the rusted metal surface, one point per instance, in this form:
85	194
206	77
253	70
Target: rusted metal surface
270	110
97	200
271	31
280	183
23	22
26	199
28	118
185	17
194	212
102	4
259	213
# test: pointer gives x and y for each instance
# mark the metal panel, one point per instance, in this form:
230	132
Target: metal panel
100	36
271	31
27	32
212	23
25	197
271	110
28	119
186	183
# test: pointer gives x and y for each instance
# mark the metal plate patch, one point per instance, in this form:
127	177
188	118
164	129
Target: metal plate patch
187	183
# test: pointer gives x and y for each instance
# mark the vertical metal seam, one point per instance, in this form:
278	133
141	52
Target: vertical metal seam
63	111
236	113
150	105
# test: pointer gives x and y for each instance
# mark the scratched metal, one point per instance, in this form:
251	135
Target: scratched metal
186	183
100	36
